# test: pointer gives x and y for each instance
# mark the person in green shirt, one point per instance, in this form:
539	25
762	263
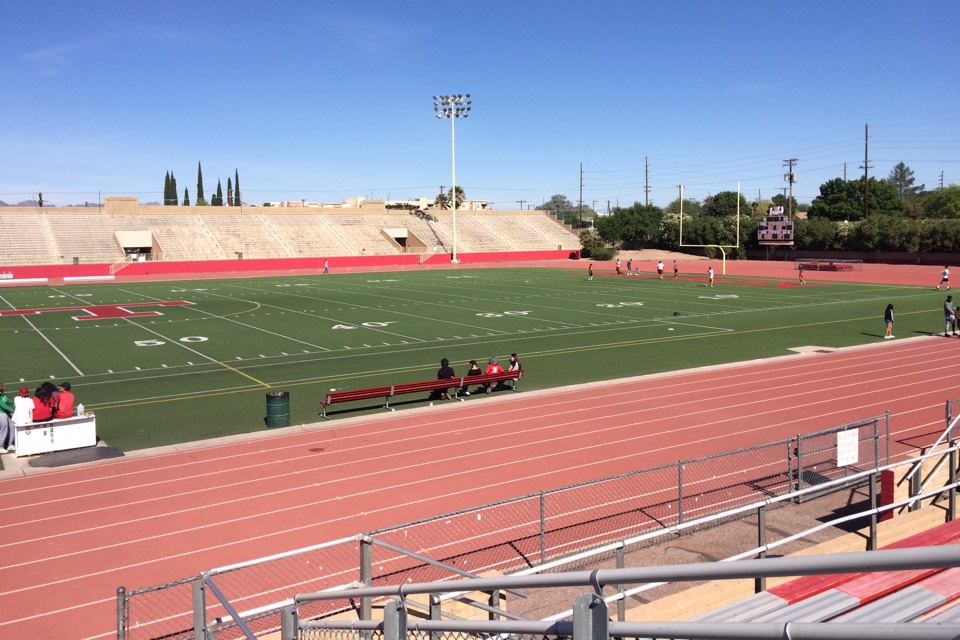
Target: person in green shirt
7	430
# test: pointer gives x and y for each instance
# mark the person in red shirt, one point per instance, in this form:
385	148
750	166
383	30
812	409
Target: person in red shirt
493	366
42	405
64	402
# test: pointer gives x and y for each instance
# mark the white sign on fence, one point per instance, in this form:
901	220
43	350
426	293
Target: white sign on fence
848	447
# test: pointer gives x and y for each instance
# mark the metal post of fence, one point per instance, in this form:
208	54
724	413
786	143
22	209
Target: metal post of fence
121	613
872	543
790	451
952	503
621	605
760	584
914	488
543	527
494	602
887	414
590	618
799	466
679	492
436	613
395	620
366	578
876	442
289	623
199	609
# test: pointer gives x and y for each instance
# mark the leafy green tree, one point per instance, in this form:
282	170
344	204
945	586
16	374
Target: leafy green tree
843	200
781	200
557	204
236	188
724	204
942	203
200	201
186	197
901	178
818	234
635	226
691	207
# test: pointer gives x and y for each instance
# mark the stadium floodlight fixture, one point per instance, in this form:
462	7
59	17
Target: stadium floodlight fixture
452	107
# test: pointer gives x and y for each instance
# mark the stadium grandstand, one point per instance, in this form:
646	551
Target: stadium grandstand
124	230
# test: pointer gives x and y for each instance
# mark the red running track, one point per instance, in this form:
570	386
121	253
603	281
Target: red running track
70	537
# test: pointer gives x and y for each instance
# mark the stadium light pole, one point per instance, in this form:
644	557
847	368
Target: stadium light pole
452	107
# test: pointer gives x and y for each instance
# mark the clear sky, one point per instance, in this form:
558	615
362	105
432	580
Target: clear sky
329	100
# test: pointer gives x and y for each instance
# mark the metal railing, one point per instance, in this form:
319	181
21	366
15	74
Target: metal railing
533	533
590	620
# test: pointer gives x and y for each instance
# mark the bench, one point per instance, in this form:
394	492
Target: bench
57	435
389	391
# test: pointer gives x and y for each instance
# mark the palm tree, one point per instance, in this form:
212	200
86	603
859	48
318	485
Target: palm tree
443	200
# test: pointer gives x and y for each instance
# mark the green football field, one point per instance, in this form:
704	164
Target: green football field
170	362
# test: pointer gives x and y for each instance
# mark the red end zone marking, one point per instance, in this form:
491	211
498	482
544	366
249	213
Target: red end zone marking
97	312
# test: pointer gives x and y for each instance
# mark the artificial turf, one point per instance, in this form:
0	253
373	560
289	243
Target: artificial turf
201	370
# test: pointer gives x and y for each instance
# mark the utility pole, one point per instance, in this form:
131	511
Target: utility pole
844	171
790	177
941	179
646	181
866	166
581	196
441	196
521	204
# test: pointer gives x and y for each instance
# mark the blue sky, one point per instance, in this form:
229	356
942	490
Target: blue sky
328	100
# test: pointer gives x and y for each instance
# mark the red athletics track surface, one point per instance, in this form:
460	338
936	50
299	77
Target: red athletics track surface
70	537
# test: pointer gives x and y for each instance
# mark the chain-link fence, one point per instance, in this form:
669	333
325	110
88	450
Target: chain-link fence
506	536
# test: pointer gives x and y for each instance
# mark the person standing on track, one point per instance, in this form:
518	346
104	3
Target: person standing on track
888	318
629	267
949	317
618	268
660	269
944	277
676	269
800	273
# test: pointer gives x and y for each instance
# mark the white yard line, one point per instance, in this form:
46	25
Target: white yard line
46	339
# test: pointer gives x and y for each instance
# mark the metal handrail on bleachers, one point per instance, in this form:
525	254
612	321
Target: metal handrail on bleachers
590	619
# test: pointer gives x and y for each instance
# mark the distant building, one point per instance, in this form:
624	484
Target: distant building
360	201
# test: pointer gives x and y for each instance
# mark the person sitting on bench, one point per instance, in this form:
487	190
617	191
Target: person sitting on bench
474	370
493	366
445	372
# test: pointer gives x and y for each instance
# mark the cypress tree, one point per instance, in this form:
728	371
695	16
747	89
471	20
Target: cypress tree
173	190
236	188
186	197
200	201
166	188
218	201
229	192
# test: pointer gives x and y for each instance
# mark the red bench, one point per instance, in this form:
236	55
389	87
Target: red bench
389	391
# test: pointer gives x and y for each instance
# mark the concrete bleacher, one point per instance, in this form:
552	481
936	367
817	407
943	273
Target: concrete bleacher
58	235
183	237
243	234
26	239
875	597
